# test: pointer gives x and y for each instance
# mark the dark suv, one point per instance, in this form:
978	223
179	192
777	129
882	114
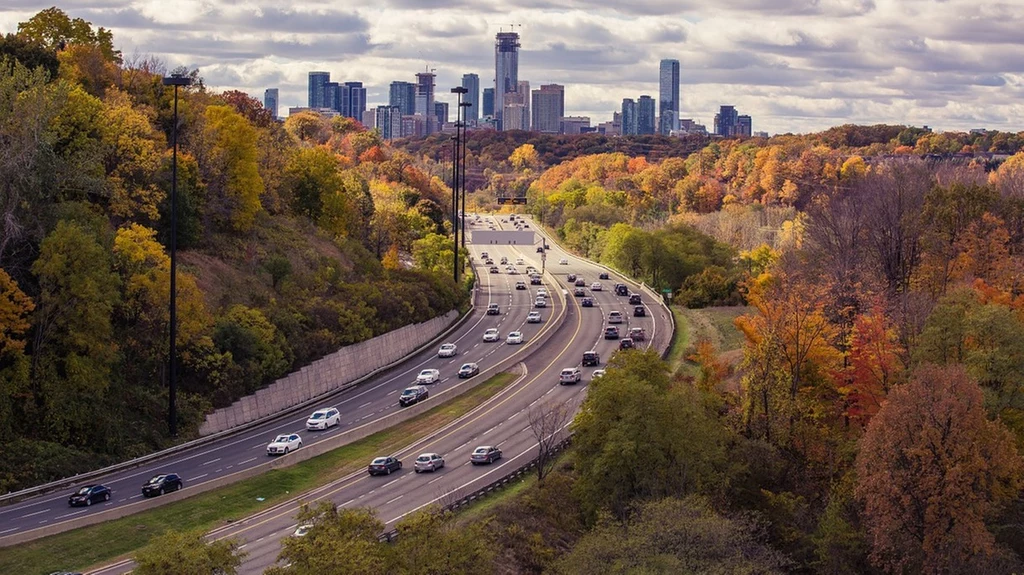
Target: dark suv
591	358
621	289
611	332
634	299
161	484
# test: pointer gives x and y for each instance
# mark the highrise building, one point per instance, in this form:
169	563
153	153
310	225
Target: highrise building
488	107
441	111
744	126
330	96
271	101
316	88
352	100
574	124
548	108
506	68
471	82
523	90
668	97
389	122
425	100
645	115
403	95
629	119
728	124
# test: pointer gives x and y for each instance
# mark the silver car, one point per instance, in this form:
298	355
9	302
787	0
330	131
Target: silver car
428	462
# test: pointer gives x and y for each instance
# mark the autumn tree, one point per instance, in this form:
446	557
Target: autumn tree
931	469
874	365
524	157
949	212
549	422
176	552
52	28
15	310
131	159
431	541
342	540
231	171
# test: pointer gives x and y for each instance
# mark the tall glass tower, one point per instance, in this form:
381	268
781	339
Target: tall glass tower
471	82
668	97
316	88
506	68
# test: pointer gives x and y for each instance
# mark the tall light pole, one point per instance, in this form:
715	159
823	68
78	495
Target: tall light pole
458	90
172	388
464	106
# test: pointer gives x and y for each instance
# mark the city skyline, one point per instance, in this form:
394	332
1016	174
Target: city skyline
792	65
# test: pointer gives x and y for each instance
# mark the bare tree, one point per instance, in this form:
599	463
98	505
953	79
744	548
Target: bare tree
548	422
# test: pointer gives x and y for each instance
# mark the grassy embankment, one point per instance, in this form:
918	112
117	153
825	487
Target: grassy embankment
714	324
108	541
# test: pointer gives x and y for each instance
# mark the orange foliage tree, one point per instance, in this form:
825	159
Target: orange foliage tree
873	365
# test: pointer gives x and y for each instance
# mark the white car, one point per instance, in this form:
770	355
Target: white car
491	334
519	261
302	530
596	286
323	418
598	373
428	376
428	461
541	302
514	337
448	350
563	262
542	292
614	317
284	443
533	317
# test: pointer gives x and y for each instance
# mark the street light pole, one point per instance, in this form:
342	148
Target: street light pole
464	106
458	90
172	387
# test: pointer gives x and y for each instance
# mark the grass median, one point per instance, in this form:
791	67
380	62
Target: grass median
102	543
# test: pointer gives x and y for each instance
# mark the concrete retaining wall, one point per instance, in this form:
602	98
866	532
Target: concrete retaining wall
328	374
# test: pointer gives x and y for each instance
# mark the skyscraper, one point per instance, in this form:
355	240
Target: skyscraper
548	108
316	88
271	101
471	82
645	115
425	100
330	96
506	68
403	95
726	121
629	120
441	111
353	100
389	122
488	108
668	96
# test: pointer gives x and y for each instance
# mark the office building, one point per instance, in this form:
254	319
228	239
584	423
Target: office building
729	123
425	100
629	119
330	96
523	90
548	107
574	124
352	100
506	68
488	102
668	97
744	125
689	126
515	115
645	118
441	111
316	88
271	101
403	95
389	121
323	112
471	82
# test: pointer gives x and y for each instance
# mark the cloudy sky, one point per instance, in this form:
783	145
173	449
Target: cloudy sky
794	65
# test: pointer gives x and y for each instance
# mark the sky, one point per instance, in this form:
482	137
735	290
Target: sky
793	65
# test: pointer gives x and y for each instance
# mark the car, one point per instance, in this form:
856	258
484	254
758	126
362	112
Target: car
611	332
495	270
493	309
519	261
626	343
429	375
541	302
563	262
615	317
570	278
526	226
602	276
530	270
484	255
88	495
639	311
491	334
520	285
489	262
598	373
591	358
323	419
411	395
511	270
634	299
535	280
384	465
485	454
637	333
596	286
540	249
569	375
284	443
448	350
302	530
579	292
621	289
587	302
514	338
468	370
504	260
428	461
533	317
160	484
542	292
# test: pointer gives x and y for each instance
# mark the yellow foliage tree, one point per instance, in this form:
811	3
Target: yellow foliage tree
132	157
524	157
15	308
232	171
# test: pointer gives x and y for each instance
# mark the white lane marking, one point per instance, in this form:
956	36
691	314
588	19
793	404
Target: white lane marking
199	477
395	499
435	479
247	461
36	513
135	496
212	461
9	530
71	514
367	404
349	502
392	392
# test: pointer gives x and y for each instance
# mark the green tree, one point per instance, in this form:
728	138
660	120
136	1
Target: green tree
29	54
175	552
231	172
131	158
434	253
341	541
15	311
624	248
312	174
255	345
55	30
431	542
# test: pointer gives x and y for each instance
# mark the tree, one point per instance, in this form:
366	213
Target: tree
312	175
29	54
930	470
53	29
431	542
131	159
175	552
255	345
524	157
231	171
549	424
342	540
873	365
15	308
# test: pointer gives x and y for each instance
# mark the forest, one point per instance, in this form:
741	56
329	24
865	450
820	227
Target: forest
294	239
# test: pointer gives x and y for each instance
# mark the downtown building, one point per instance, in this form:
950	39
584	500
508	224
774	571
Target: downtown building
548	109
271	101
506	71
729	123
471	82
668	97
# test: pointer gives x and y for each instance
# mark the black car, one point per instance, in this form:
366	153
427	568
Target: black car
384	465
611	332
540	249
88	495
485	454
634	299
602	276
580	282
626	343
161	484
520	285
621	289
639	311
413	395
579	292
570	278
468	370
535	280
591	358
587	302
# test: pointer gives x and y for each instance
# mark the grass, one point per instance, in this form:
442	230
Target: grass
111	540
680	343
714	324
